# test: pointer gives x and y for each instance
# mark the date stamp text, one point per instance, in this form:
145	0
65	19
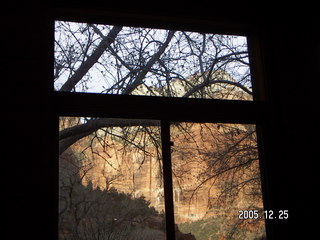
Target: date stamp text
266	214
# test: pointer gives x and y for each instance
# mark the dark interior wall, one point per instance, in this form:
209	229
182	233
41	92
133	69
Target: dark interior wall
28	150
290	50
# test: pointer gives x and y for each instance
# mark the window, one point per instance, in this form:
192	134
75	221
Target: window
114	181
150	62
111	182
150	143
216	175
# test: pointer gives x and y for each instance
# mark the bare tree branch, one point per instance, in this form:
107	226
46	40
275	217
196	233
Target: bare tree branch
205	84
70	135
91	60
149	64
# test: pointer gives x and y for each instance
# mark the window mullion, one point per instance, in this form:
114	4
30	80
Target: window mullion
167	179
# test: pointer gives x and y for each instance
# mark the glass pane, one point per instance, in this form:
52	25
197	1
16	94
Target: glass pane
110	179
216	175
151	62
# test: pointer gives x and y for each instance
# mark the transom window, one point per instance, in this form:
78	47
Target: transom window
151	62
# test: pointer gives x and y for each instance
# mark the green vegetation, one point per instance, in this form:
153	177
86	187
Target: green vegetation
203	229
215	227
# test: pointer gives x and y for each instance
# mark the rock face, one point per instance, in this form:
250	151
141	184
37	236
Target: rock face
200	160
